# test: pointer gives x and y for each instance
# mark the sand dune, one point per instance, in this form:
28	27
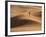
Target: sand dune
32	13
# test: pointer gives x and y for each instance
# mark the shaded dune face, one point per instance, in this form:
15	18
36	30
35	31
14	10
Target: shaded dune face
15	21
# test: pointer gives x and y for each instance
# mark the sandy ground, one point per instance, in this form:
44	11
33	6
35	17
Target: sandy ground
23	11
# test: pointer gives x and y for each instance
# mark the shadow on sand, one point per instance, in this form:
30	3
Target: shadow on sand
15	22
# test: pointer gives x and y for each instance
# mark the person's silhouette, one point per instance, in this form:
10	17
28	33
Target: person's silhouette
29	13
